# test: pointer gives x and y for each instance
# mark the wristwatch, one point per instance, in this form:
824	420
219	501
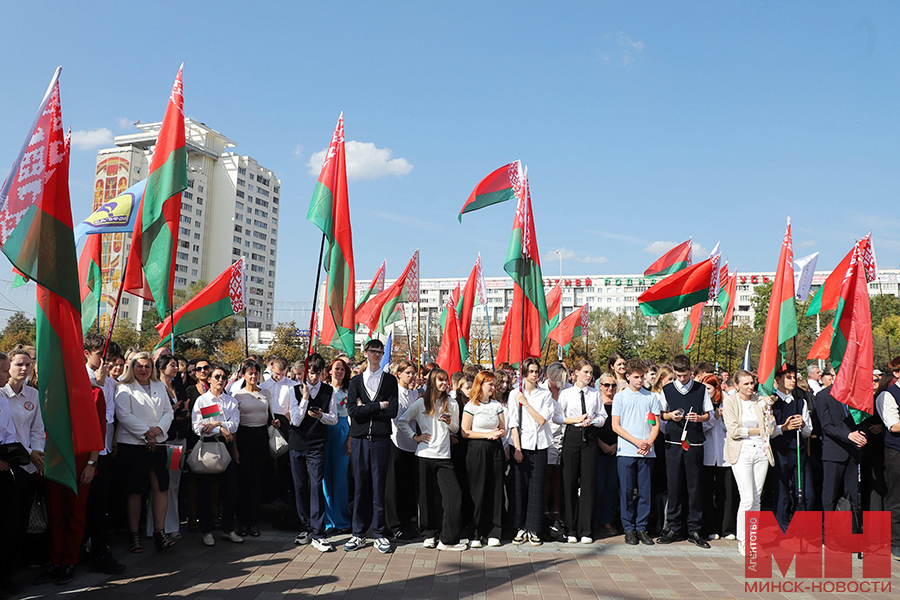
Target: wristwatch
92	463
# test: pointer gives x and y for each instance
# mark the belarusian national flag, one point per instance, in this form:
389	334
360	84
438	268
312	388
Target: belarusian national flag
574	325
329	210
150	272
225	296
497	187
674	260
651	419
90	278
554	299
173	457
726	301
851	343
207	412
380	311
826	297
685	288
524	266
375	287
466	307
781	321
692	326
36	236
448	355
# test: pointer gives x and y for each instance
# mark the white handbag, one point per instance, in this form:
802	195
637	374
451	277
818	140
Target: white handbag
277	444
209	458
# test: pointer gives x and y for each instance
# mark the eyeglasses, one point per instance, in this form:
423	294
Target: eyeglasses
608	385
379	352
202	368
140	366
219	377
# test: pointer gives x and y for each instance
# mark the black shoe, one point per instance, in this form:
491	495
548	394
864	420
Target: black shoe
695	539
106	564
669	537
65	575
253	530
631	538
645	538
243	531
48	575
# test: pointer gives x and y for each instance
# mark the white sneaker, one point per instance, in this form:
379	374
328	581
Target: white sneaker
493	542
572	539
534	539
232	537
452	547
741	548
730	536
322	545
587	540
208	539
302	538
384	545
713	536
354	543
476	543
429	543
521	537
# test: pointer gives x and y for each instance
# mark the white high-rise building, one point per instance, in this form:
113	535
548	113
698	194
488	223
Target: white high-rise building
229	210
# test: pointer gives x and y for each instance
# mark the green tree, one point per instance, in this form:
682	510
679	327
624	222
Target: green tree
19	330
125	333
286	342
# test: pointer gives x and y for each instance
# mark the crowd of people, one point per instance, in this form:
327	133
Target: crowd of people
659	453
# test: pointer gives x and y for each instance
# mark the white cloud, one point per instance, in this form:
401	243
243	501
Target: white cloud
365	161
699	252
125	122
569	254
627	49
659	248
298	152
593	259
624	40
92	138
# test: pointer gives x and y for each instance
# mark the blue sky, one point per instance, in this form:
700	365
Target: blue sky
640	122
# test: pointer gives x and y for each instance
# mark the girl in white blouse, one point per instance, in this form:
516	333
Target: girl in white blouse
437	417
254	405
221	424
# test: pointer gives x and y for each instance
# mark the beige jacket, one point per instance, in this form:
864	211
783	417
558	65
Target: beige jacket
731	411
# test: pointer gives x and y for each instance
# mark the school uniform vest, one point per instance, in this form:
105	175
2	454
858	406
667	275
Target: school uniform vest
891	438
311	433
692	400
781	410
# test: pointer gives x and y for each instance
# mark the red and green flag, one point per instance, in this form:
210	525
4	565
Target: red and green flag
173	457
574	325
207	412
381	310
375	287
554	299
526	327
674	260
329	210
449	353
726	301
692	326
90	279
36	236
226	295
466	306
781	321
651	419
497	187
150	271
826	297
685	288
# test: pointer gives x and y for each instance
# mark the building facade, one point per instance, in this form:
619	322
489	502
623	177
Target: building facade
229	210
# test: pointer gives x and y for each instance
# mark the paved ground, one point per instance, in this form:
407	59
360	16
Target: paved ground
271	567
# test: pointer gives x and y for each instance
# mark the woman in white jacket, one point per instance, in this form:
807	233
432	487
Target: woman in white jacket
144	413
437	417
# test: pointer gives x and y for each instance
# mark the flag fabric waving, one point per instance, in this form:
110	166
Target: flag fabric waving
381	310
674	260
448	355
150	272
726	301
375	287
90	279
685	288
466	307
329	210
692	326
116	215
497	187
554	299
36	236
574	325
226	295
826	297
781	321
526	328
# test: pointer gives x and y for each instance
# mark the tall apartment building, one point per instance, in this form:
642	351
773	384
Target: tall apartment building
229	210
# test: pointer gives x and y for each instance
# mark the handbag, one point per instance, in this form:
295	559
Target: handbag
38	519
209	457
277	444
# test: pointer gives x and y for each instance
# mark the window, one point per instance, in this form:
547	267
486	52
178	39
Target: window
272	252
186	207
186	219
262	191
261	202
271	263
261	213
178	280
274	210
239	206
249	210
196	236
260	224
187	195
195	260
271	273
240	194
241	182
238	229
182	255
258	246
256	279
246	245
182	268
200	188
184	231
275	199
238	217
196	248
200	211
277	189
242	171
190	183
194	272
256	256
125	300
236	240
197	223
258	235
184	244
236	251
274	220
274	232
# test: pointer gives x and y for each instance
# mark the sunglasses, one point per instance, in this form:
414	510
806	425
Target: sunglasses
219	377
202	368
608	385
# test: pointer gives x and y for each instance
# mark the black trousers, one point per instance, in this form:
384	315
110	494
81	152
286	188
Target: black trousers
13	507
440	498
484	467
253	448
402	487
684	469
531	476
579	472
839	478
720	501
892	498
97	507
227	496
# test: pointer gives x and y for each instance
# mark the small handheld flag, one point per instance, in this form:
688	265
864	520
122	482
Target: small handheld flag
210	411
173	457
651	419
684	443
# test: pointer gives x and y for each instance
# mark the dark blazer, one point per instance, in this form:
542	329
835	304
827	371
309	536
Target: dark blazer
367	418
836	425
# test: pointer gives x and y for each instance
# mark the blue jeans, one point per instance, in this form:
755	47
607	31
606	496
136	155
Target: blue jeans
634	473
337	495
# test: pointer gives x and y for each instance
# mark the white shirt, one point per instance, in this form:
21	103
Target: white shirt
570	405
372	381
439	445
714	445
109	395
405	399
138	411
7	427
806	430
228	407
281	392
684	389
887	408
815	386
27	419
299	407
532	436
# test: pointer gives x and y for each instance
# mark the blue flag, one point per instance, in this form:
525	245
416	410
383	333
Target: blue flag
114	216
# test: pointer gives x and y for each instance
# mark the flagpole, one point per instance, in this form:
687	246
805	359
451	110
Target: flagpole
112	319
887	336
487	318
419	328
716	337
699	336
312	316
409	346
100	298
172	325
246	335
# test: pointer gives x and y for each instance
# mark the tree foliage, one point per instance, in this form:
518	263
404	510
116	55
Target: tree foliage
19	330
